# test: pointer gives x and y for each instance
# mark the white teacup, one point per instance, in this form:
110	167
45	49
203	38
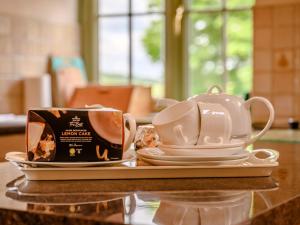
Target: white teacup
238	109
178	124
216	124
192	123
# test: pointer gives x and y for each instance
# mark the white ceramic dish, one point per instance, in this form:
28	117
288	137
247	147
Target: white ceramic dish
157	154
157	162
233	143
220	152
21	158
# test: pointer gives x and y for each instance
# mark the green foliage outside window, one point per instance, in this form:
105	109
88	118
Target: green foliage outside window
204	46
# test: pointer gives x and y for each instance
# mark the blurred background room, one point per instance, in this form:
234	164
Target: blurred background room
128	54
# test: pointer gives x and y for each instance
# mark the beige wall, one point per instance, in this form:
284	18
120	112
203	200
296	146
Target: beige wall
56	11
30	31
277	59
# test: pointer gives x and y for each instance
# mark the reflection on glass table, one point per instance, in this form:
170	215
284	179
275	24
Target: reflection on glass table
218	207
184	201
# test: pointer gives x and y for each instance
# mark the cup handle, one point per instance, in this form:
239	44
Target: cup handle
132	205
206	140
132	130
179	134
270	120
272	156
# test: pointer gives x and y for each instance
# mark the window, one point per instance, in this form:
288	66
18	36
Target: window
220	45
131	43
216	36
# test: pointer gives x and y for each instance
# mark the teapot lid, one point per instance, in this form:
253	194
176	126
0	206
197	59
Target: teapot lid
221	93
217	87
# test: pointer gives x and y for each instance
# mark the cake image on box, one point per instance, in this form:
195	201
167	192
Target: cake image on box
62	135
36	129
41	144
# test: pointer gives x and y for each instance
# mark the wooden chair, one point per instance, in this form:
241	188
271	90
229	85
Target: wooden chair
136	100
71	89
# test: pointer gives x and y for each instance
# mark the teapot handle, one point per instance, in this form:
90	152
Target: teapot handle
270	120
132	130
210	90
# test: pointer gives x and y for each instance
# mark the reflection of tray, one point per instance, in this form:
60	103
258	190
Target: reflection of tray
182	187
56	193
62	200
140	172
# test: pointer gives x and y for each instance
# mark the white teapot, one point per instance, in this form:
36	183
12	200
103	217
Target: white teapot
239	111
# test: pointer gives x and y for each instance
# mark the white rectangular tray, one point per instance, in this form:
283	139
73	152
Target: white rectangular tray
142	172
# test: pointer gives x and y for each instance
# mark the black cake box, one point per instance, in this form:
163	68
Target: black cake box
62	134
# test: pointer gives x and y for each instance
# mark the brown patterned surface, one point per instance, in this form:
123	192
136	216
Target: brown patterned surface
266	200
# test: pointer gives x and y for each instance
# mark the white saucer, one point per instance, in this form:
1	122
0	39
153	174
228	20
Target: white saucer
157	154
211	152
157	157
157	162
233	143
21	158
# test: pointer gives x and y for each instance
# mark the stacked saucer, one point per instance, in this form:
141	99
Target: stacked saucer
156	156
195	157
150	150
225	149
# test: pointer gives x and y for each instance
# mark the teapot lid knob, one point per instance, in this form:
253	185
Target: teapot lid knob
219	89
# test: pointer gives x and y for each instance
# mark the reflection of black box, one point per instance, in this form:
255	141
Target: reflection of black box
74	134
104	210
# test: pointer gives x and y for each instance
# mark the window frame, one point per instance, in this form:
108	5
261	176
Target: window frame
223	11
130	15
176	57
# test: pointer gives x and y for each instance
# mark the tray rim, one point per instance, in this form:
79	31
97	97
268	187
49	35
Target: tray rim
266	165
